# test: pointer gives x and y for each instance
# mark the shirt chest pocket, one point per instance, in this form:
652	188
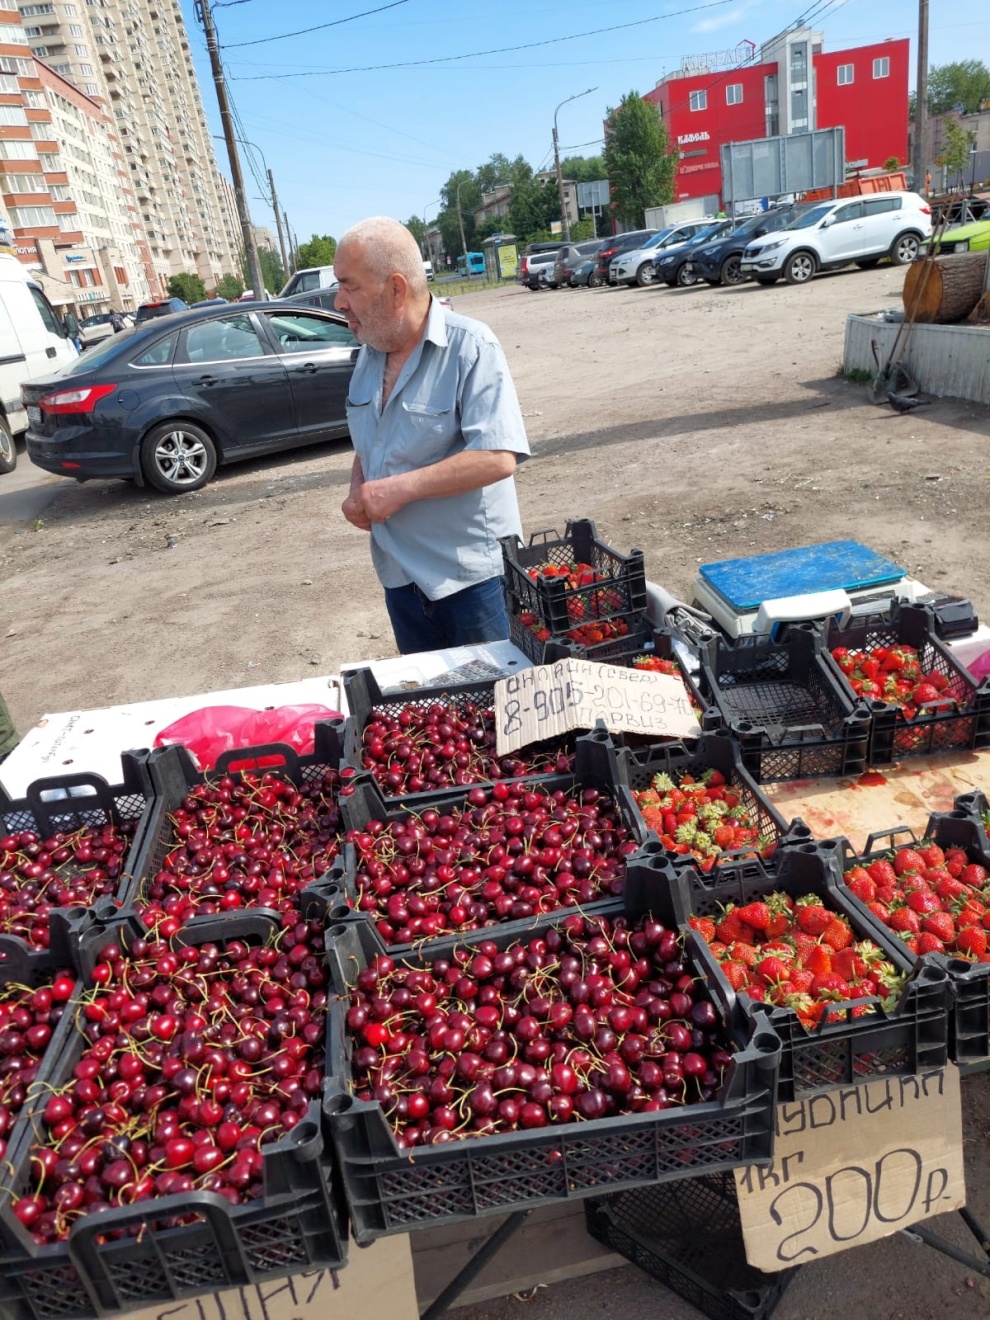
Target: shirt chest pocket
425	432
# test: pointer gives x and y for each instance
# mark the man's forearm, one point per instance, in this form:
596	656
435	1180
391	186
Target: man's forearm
470	470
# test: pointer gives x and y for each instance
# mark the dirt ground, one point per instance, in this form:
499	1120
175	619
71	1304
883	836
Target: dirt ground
695	424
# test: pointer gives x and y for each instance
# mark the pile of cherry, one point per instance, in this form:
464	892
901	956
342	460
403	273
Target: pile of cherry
27	1019
591	1019
63	870
446	744
244	840
510	852
194	1059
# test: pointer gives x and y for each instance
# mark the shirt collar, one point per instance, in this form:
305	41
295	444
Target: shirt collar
436	325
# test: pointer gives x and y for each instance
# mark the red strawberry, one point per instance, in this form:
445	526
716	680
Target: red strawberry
923	900
929	943
756	915
941	925
771	969
972	942
903	919
736	974
862	884
908	859
974	875
882	872
812	915
838	935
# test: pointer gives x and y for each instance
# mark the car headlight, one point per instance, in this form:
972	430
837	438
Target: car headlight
769	247
705	251
961	247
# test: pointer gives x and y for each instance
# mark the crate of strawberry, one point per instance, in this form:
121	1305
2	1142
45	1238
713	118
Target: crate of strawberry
697	798
933	894
567	581
69	843
922	698
777	938
504	1070
421	742
603	641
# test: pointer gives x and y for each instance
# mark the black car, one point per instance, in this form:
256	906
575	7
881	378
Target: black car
570	256
164	403
675	268
621	243
159	307
718	263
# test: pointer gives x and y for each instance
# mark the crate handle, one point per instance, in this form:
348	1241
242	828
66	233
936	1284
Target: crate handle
889	834
267	756
214	1209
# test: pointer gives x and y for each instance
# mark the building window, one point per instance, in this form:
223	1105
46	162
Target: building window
32	31
12	114
13	150
86	69
32	11
734	94
70	11
75	30
23	216
39	52
34	100
8	84
52	163
91	89
881	67
699	100
24	183
846	74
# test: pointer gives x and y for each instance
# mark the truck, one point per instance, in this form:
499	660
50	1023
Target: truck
695	208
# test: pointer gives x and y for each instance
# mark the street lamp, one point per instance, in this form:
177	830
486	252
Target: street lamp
426	228
272	199
556	160
460	218
972	181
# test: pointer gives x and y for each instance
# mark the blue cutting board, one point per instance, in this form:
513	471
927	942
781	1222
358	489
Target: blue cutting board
746	583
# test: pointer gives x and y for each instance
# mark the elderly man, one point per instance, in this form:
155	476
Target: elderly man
437	433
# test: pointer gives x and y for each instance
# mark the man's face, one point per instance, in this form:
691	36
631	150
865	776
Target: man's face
366	302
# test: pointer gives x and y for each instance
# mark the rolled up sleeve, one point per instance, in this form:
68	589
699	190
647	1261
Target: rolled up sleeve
490	416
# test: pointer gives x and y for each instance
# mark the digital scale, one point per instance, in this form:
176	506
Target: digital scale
840	578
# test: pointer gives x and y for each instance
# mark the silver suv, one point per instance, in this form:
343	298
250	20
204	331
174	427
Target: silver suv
838	233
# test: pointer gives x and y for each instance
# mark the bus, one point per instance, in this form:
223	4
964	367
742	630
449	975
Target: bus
472	263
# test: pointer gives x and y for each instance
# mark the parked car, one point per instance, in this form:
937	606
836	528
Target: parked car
974	237
535	269
674	267
830	235
718	262
165	403
618	243
94	328
570	256
636	265
587	275
313	277
159	307
32	341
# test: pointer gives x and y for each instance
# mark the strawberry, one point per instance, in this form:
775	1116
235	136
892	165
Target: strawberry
704	926
771	969
736	974
756	915
925	692
812	915
933	854
903	919
974	875
861	883
908	859
831	986
882	872
939	924
972	942
818	960
838	935
923	901
747	954
929	943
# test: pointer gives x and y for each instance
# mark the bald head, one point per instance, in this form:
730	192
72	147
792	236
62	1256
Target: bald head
388	248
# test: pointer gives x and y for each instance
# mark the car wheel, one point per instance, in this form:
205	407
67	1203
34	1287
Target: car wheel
905	249
595	281
799	268
8	450
647	274
766	279
686	277
177	456
731	272
868	263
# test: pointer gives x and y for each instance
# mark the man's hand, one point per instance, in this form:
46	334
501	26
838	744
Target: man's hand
354	511
384	497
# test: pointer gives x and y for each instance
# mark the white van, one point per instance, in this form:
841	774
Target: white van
33	342
306	281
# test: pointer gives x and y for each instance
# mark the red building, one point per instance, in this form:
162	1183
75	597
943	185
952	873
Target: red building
794	88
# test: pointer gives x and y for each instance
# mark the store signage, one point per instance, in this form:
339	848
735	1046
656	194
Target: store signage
26	250
548	701
693	169
852	1165
693	137
71	258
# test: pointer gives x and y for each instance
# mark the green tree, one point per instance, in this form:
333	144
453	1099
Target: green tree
532	208
190	288
319	251
955	150
417	228
229	287
640	170
583	169
583	230
271	269
964	85
891	164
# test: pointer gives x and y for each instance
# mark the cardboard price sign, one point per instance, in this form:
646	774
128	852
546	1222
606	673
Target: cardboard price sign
549	700
853	1165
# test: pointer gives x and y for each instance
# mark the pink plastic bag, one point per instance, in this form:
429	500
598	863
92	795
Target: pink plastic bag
980	666
213	730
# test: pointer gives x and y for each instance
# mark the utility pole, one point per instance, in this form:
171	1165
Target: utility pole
278	223
237	178
460	221
919	163
565	226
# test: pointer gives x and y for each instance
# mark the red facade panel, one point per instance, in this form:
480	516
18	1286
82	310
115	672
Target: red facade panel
873	109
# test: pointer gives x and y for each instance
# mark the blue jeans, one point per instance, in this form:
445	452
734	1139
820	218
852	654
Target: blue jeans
476	614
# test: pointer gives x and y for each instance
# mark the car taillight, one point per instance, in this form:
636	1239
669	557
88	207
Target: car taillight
925	210
82	400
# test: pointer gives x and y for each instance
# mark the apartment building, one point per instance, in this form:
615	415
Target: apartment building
134	55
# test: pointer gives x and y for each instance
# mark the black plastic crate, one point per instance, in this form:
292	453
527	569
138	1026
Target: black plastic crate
364	697
557	606
976	806
785	707
688	1236
908	1037
969	982
561	647
633	770
64	803
390	1191
297	1225
959	719
173	774
364	802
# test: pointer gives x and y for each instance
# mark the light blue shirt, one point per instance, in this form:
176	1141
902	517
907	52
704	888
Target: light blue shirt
454	393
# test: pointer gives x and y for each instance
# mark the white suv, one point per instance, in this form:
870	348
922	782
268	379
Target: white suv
636	267
837	233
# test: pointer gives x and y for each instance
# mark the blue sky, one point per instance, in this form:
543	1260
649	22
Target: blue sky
344	145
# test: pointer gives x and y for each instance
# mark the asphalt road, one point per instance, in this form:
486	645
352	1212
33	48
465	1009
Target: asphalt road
26	492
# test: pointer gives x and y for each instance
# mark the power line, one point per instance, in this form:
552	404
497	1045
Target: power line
283	36
476	54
